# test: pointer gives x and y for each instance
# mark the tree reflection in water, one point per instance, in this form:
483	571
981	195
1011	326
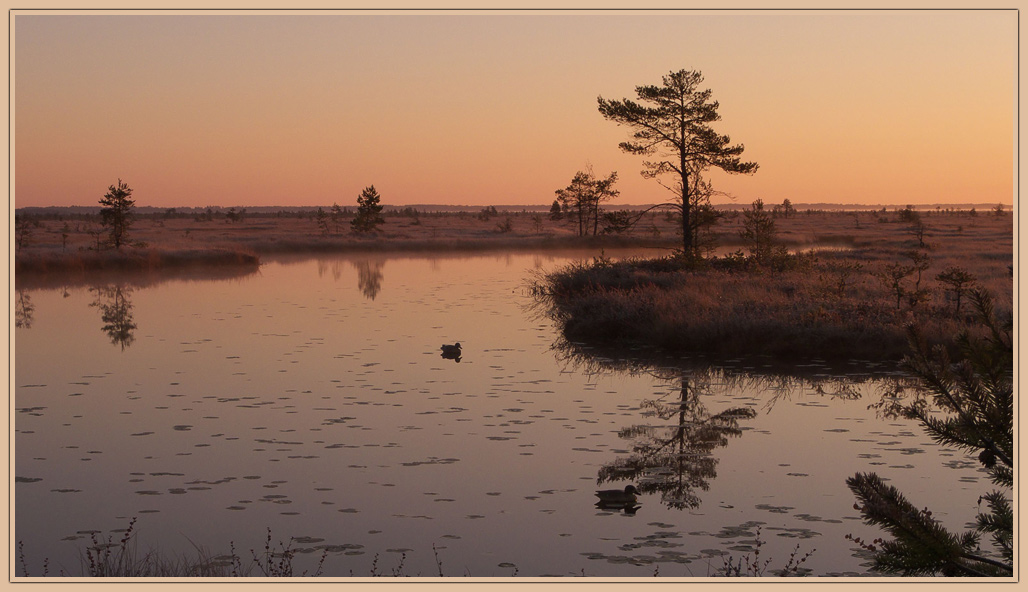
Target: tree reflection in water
23	310
116	313
369	277
673	452
674	456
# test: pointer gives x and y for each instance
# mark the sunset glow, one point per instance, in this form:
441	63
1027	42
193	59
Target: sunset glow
884	107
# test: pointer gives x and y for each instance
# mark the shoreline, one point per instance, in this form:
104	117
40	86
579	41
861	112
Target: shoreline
250	253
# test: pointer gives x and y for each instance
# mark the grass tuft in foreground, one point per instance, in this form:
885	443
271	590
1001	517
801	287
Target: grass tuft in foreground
107	558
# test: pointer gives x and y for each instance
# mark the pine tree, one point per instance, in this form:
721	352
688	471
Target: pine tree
336	215
760	234
673	121
368	211
976	392
116	212
555	211
322	219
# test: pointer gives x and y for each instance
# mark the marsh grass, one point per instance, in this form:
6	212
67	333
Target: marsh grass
130	258
829	303
754	566
108	557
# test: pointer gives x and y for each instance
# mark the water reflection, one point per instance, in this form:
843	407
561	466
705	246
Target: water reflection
334	267
201	274
116	313
672	452
369	277
23	310
281	402
675	457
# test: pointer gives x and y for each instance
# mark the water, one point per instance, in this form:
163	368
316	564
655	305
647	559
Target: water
310	398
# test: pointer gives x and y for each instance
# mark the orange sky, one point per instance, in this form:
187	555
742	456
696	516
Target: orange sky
890	107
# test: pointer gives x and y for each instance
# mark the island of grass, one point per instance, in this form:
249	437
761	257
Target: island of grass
852	298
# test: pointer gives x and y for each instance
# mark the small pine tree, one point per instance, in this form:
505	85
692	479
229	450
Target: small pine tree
22	231
116	212
555	211
787	208
369	211
892	276
959	281
760	233
322	219
336	215
909	215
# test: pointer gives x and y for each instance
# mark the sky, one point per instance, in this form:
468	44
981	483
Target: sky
485	108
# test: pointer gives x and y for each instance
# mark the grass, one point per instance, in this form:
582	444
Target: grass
831	303
753	566
106	557
131	259
60	243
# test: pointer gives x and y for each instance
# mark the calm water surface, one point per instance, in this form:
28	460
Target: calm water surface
311	398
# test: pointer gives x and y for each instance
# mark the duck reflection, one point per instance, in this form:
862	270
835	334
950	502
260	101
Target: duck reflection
673	456
116	313
23	310
369	277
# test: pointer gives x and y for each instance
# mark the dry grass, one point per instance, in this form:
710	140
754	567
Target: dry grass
129	259
827	304
156	240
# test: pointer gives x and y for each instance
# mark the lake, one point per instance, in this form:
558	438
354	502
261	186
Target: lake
311	398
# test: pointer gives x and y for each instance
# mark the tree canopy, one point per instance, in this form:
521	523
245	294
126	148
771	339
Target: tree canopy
672	121
583	197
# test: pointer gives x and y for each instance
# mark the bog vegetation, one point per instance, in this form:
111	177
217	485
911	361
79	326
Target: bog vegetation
829	285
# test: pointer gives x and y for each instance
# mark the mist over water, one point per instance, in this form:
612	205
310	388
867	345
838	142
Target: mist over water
312	398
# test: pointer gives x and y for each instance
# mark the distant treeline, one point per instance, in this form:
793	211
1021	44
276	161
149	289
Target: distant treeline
57	212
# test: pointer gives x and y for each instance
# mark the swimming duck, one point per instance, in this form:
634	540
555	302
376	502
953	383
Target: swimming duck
451	350
617	496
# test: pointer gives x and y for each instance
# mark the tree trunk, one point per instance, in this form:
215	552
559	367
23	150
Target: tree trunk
686	226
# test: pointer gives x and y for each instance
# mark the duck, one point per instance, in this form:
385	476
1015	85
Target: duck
618	496
451	350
